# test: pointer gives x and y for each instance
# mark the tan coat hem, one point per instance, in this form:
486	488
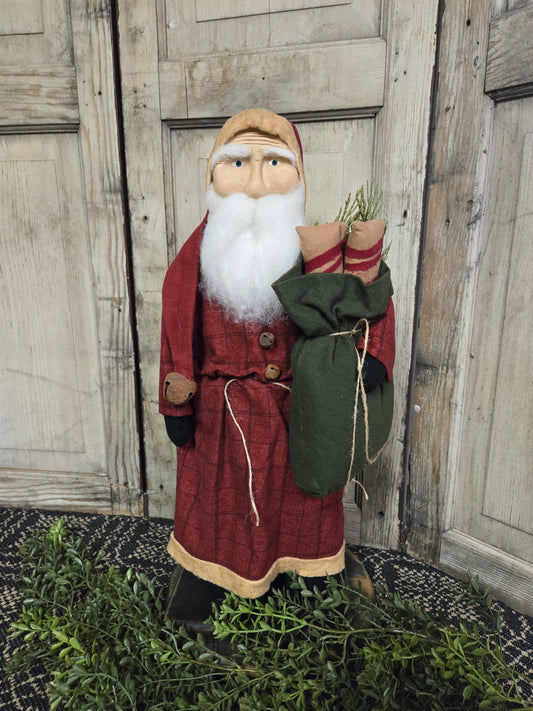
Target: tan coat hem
220	575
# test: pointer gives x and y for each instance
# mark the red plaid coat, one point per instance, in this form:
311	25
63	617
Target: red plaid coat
217	533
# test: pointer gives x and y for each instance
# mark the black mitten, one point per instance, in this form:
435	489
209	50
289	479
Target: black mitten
373	372
179	429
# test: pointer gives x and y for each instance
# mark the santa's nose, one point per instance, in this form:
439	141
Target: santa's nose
255	186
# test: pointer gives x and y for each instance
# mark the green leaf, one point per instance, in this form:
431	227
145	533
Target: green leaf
74	643
55	703
467	692
61	636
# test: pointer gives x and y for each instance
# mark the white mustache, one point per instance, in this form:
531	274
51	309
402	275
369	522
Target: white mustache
247	244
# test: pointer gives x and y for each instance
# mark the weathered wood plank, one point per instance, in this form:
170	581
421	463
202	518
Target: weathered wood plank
454	199
103	195
510	54
223	85
352	516
173	90
38	95
509	577
62	491
144	153
400	158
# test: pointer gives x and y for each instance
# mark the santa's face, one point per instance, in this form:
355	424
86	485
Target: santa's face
255	202
256	165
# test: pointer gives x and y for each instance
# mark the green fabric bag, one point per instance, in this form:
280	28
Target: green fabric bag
325	372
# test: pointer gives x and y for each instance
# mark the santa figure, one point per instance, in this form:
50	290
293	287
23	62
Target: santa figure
225	385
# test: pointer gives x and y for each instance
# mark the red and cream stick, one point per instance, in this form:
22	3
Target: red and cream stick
321	247
362	254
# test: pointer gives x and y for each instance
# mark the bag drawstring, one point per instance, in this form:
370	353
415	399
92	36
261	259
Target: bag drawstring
362	324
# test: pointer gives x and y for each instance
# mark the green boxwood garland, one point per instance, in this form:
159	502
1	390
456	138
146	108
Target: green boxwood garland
99	634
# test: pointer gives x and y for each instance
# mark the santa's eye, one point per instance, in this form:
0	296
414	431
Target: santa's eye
238	163
274	161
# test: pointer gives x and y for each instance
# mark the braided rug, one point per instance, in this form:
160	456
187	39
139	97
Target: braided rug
141	544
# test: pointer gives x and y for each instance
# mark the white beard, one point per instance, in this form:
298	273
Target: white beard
247	245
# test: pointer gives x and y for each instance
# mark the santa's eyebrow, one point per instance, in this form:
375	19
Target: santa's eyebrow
273	152
230	152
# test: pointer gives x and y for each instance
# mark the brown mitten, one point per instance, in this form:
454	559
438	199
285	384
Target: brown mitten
178	390
362	254
321	247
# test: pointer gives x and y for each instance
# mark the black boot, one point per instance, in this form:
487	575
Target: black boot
356	575
190	599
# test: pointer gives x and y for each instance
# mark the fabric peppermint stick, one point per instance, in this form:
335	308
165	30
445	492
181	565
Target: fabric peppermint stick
321	247
362	254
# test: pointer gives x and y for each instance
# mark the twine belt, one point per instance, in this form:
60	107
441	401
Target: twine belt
245	445
362	324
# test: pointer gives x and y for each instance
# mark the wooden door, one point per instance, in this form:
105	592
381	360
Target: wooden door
356	79
472	459
68	437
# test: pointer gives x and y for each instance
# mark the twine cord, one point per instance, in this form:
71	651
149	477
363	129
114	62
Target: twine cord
245	445
363	325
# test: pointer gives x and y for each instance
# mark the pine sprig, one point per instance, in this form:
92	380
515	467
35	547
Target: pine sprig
99	634
365	205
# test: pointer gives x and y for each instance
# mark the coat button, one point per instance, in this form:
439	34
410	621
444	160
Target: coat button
272	372
267	340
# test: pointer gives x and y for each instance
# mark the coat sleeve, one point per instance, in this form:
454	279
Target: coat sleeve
178	323
166	366
381	339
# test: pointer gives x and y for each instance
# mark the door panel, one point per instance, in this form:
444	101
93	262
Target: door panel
260	55
492	497
35	33
190	28
356	79
471	460
52	400
506	497
28	19
510	53
37	81
68	434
